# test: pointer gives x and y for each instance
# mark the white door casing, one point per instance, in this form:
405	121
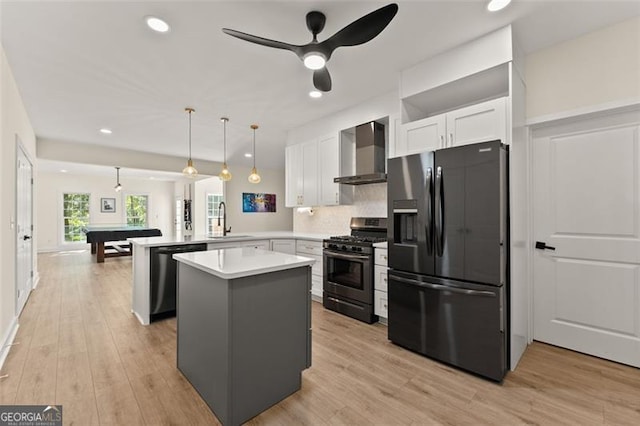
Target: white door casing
586	205
24	228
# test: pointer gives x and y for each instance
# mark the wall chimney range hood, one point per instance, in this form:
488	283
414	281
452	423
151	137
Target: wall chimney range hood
370	156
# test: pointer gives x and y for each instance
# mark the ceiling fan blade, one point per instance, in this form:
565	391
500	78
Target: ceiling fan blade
322	79
363	29
263	41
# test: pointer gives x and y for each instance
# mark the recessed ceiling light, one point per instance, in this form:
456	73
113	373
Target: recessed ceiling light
248	155
495	5
315	94
156	24
63	171
106	131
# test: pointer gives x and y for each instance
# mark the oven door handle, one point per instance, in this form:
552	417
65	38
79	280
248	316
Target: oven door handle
441	287
345	256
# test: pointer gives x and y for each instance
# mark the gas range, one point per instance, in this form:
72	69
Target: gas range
348	268
353	243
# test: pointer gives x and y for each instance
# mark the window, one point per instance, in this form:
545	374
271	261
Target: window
213	201
136	207
75	214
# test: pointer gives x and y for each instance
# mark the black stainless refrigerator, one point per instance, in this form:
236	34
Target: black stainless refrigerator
448	256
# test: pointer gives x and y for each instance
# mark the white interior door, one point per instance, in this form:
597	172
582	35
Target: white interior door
24	229
586	208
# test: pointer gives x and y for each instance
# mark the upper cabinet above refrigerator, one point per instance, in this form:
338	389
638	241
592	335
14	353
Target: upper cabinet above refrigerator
476	123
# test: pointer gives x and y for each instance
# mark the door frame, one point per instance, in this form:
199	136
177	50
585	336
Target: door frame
20	148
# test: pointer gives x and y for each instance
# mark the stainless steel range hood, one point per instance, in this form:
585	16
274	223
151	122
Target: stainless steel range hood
370	156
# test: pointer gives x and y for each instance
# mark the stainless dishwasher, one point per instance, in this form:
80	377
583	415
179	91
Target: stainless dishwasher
163	278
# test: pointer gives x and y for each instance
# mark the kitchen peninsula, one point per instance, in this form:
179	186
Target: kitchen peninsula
244	319
305	244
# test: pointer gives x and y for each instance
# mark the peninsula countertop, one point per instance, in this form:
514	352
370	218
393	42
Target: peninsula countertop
180	239
231	263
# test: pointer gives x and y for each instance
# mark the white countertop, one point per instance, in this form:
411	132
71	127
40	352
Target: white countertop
170	240
240	262
381	245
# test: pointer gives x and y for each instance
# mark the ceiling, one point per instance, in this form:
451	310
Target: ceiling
84	65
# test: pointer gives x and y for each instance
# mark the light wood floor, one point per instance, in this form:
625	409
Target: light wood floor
80	346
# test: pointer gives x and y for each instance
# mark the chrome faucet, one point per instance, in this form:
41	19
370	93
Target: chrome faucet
222	206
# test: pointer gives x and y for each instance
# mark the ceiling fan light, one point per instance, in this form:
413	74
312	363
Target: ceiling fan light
314	61
315	94
496	5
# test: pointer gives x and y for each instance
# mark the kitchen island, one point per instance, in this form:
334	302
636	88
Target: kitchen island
244	319
143	284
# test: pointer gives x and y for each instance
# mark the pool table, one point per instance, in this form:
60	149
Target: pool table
98	235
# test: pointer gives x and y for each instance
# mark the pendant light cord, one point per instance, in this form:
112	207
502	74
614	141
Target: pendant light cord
190	133
254	127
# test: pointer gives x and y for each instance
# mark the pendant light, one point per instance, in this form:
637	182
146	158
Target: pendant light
118	187
190	171
254	177
225	174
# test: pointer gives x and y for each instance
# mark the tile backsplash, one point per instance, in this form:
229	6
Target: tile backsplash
368	201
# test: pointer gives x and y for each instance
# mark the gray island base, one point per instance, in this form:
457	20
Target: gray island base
243	340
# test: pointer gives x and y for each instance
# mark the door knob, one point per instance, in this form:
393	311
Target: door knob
26	237
541	245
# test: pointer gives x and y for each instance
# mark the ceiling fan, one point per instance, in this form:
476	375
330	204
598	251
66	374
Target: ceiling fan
315	54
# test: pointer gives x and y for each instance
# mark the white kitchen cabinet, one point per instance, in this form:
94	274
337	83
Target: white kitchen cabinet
393	138
329	168
293	174
284	246
310	168
301	174
313	250
380	278
380	304
481	122
422	135
259	244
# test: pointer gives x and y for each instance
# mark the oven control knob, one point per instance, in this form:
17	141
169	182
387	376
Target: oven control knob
344	247
354	248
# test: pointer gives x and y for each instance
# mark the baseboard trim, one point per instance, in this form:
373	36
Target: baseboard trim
36	280
8	340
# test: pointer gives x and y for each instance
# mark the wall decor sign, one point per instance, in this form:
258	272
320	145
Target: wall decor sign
108	205
258	203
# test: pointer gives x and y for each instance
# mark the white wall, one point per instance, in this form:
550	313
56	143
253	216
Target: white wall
598	68
48	220
272	183
372	109
13	122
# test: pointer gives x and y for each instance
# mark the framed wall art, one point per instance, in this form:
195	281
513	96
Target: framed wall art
258	203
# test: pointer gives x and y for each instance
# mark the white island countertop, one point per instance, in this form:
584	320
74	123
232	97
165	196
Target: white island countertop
170	240
241	262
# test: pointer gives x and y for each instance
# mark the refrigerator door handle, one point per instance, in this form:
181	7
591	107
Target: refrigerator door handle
429	207
439	222
440	287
